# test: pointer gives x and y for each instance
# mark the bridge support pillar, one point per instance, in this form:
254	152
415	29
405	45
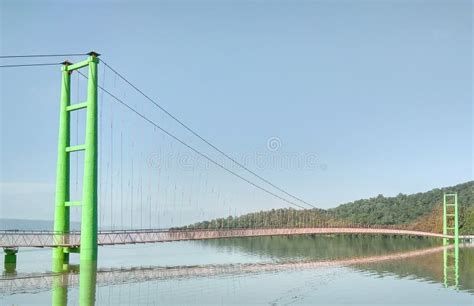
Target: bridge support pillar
450	217
9	262
61	211
89	226
451	228
88	203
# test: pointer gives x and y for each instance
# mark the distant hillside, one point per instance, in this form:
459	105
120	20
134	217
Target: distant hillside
402	208
420	211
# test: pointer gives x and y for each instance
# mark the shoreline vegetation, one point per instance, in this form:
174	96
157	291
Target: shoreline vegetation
421	211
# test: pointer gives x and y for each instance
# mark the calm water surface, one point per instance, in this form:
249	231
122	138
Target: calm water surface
315	270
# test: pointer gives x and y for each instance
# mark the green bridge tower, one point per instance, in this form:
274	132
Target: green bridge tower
451	217
88	203
451	228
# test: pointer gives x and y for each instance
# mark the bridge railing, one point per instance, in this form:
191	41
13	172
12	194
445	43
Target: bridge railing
38	239
13	239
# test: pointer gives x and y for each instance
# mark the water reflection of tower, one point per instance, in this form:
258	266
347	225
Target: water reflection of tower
60	282
87	282
451	231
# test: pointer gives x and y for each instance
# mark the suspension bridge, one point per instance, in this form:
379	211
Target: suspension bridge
108	180
41	239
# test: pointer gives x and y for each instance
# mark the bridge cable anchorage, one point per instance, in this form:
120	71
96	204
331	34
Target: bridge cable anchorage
41	55
203	139
192	148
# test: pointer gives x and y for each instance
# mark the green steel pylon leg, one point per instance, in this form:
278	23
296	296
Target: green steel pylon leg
445	225
61	212
456	220
456	241
89	196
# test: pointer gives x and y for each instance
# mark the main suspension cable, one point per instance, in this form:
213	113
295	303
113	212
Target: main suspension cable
41	55
192	148
29	65
202	138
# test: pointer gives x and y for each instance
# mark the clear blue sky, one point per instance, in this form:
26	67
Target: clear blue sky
380	91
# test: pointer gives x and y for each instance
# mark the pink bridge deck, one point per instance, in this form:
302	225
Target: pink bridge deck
40	239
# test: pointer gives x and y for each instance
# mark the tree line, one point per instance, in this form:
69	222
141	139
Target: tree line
399	211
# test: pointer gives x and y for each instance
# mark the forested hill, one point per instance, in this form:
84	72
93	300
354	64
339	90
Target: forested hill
402	208
422	211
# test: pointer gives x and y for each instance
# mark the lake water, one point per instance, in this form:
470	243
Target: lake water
312	270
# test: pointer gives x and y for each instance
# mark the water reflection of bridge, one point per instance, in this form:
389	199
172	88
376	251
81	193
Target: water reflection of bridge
48	281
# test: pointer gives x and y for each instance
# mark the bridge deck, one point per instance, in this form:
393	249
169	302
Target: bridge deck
41	239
